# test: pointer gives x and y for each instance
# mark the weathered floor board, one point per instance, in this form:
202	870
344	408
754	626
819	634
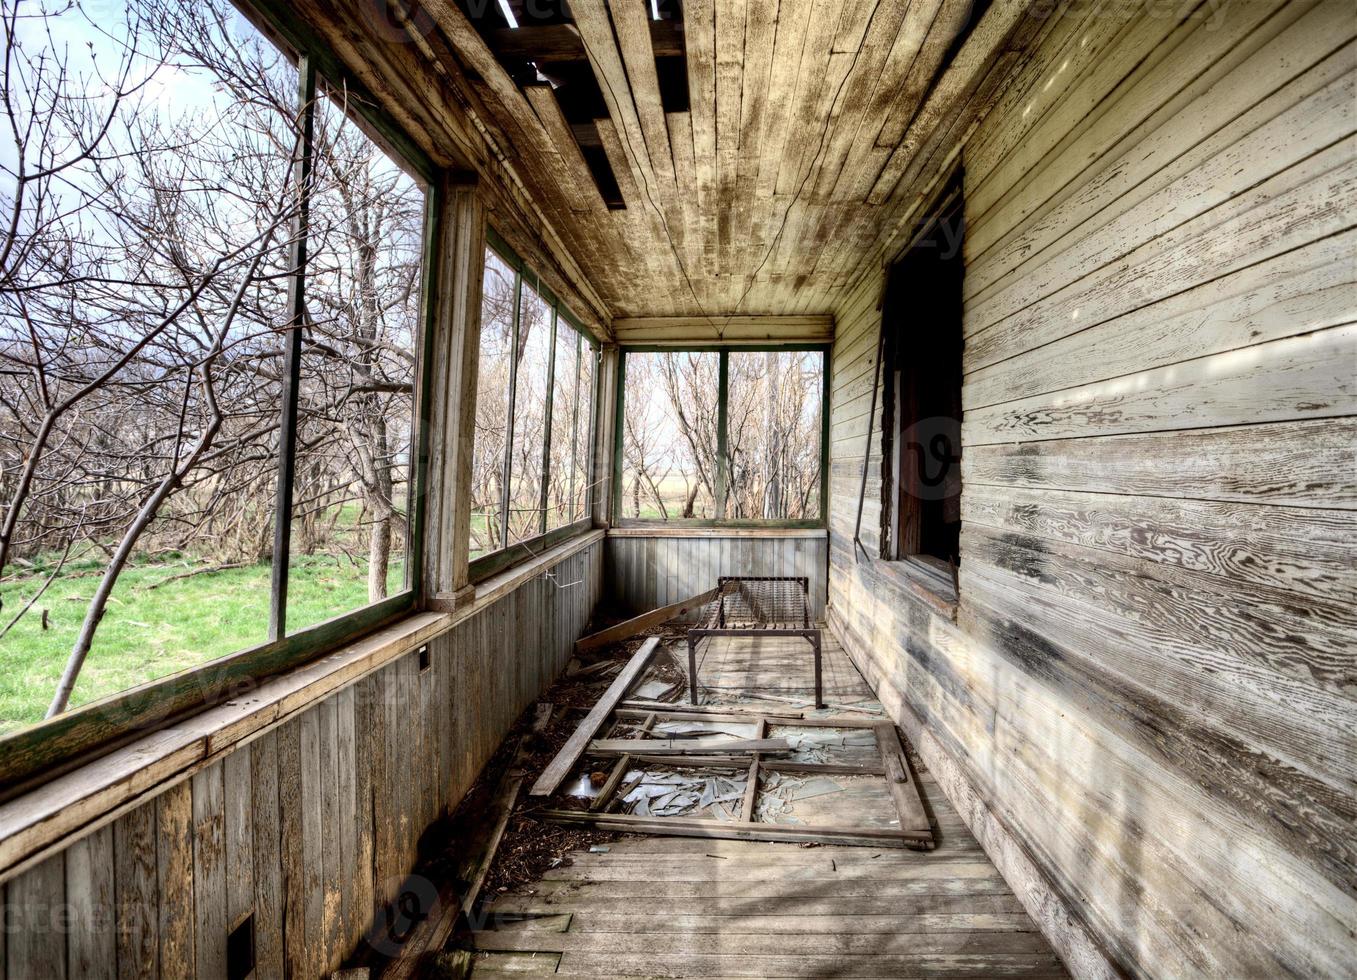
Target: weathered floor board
671	906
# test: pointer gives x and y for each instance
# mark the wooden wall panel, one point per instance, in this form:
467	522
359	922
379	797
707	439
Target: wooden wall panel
1146	699
307	825
647	572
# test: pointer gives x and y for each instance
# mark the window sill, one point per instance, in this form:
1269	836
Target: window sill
489	566
671	530
50	817
501	583
926	583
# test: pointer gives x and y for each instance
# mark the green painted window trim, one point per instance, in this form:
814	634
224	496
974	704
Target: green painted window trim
508	554
42	751
723	397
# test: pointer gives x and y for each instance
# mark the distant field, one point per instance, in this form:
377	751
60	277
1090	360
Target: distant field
150	632
673	491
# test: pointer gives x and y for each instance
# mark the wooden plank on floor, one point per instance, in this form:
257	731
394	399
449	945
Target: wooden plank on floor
643	622
693	964
757	943
681	870
731	830
858	907
574	747
555	891
903	789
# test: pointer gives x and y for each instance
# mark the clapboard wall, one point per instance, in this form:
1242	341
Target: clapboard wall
647	571
1148	694
312	825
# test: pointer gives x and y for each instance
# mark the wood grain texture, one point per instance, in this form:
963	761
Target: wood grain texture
647	572
1145	706
304	822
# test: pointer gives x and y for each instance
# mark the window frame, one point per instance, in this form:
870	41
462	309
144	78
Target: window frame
937	576
509	554
722	440
44	750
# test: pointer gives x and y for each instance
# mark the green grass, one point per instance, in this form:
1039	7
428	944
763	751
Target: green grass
148	633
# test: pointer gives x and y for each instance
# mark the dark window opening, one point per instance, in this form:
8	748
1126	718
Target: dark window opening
921	406
240	950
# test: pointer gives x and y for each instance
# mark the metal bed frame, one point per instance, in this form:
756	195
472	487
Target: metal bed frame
729	618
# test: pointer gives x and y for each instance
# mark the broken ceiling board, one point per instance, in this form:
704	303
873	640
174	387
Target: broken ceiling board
679	330
576	178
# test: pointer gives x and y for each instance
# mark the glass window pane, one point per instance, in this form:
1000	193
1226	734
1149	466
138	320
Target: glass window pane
191	406
350	514
498	287
669	435
565	404
530	416
774	434
582	462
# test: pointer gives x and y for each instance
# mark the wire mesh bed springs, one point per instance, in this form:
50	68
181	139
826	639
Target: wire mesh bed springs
757	606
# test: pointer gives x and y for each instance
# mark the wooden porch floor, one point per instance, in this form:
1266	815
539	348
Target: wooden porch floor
671	906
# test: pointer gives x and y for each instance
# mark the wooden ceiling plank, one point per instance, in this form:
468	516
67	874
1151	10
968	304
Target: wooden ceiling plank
759	40
538	42
631	23
739	329
390	73
700	28
800	225
814	90
868	76
596	30
622	167
576	180
903	83
730	26
792	21
639	226
982	60
524	161
685	171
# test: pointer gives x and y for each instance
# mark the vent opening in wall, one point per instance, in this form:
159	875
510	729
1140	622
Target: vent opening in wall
424	659
240	950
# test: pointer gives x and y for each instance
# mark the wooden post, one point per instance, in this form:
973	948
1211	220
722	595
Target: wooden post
605	435
458	268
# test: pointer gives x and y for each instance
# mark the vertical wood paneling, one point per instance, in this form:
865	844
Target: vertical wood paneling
210	924
674	568
290	848
236	771
1139	685
90	896
134	860
268	886
311	825
175	875
36	943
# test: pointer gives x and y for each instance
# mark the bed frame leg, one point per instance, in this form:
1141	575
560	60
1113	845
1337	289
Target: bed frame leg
692	671
819	691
